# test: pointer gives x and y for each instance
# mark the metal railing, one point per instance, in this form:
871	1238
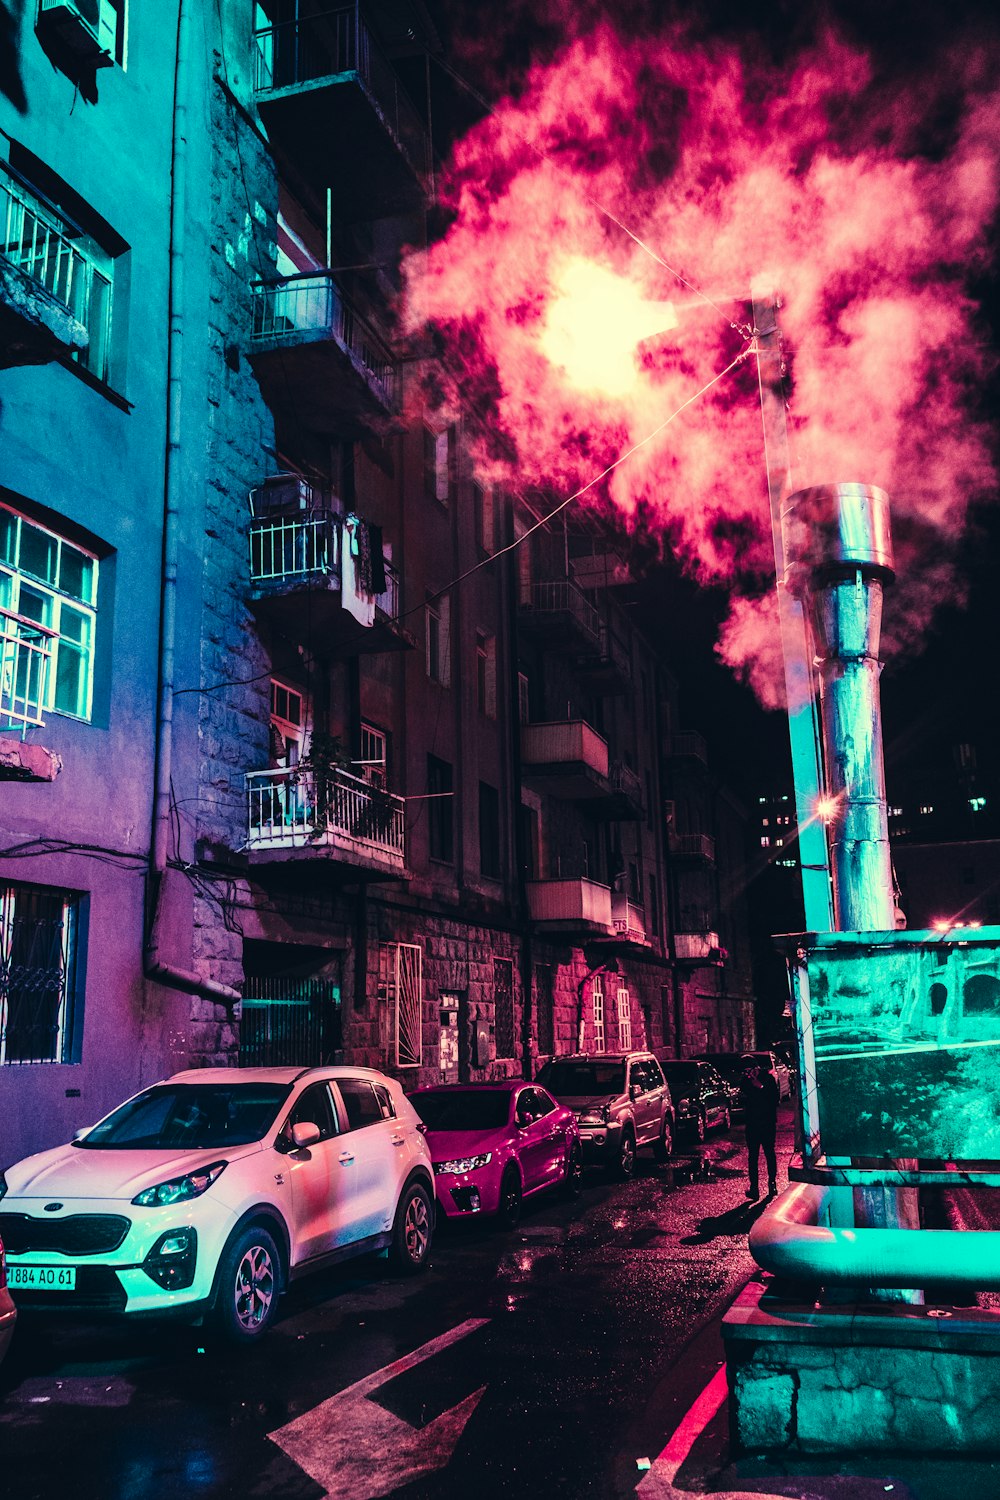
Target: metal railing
40	246
312	302
288	546
697	945
694	846
570	740
691	743
339	41
295	807
562	596
25	651
626	781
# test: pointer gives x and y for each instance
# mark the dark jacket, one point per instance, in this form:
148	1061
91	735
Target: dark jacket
759	1098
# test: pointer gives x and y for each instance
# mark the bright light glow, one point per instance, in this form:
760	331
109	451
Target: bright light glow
826	808
942	924
595	323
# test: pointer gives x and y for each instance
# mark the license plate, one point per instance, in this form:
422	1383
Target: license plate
42	1278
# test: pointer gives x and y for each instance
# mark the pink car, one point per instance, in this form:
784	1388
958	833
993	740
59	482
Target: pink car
493	1144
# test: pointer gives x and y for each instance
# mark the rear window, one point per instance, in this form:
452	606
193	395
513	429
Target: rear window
465	1109
569	1079
189	1117
681	1074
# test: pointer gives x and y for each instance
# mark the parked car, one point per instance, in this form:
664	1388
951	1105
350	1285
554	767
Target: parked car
621	1102
8	1312
206	1194
730	1065
495	1144
702	1098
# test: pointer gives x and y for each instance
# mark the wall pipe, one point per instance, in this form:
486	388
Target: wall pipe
156	967
791	1240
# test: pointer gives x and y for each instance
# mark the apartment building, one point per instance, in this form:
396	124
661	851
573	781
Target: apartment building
306	753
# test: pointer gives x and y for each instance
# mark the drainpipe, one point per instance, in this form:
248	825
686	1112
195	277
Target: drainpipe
155	967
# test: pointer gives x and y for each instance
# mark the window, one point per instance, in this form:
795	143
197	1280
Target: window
439	641
436	475
52	583
597	1001
48	246
287	725
360	1103
313	1107
486	674
40	999
441	809
624	1019
653	905
401	998
503	1005
523	699
482	502
374	766
489	831
545	1008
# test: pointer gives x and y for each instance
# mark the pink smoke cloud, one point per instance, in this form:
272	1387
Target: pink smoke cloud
729	173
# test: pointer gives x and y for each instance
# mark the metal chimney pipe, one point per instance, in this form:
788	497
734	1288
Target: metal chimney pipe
839	557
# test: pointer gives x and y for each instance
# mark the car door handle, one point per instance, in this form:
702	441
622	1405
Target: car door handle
345	1157
398	1140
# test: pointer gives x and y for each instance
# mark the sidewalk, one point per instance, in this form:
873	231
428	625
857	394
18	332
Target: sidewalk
690	1409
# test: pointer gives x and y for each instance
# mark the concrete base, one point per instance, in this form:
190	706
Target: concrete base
809	1378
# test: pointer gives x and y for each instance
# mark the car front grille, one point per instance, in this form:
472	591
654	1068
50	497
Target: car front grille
77	1234
97	1290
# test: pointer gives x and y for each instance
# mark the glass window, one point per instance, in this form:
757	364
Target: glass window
441	809
39	1000
438	644
48	580
462	1109
360	1102
196	1116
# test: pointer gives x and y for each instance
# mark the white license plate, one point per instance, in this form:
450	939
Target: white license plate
42	1278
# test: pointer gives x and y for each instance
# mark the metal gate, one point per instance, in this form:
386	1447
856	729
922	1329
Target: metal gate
290	1022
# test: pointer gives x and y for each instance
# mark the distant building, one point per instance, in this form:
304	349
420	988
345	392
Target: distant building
294	769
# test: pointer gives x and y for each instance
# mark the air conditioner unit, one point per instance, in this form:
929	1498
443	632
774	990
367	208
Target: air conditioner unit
77	25
283	495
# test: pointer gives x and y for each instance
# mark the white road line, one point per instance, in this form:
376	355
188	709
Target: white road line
354	1447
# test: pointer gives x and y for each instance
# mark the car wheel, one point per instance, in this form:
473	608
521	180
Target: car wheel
625	1166
665	1144
573	1178
249	1283
700	1127
509	1210
412	1230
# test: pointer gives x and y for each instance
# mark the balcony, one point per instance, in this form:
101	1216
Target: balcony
562	617
296	816
689	746
700	947
609	671
694	846
629	921
296	583
44	282
571	906
318	361
568	759
333	107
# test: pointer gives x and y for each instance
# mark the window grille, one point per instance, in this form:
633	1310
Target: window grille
49	584
503	1005
401	991
38	931
624	1019
545	1003
597	998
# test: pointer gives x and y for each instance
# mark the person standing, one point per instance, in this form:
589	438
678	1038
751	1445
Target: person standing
759	1098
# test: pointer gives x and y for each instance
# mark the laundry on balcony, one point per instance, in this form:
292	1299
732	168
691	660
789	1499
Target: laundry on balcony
363	569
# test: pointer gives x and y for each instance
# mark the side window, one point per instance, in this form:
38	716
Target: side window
640	1075
313	1107
655	1074
541	1103
360	1102
385	1103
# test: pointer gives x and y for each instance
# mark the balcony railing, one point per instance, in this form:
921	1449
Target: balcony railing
285	547
629	920
699	946
302	51
561	598
310	306
49	252
693	846
25	650
564	742
626	781
295	808
690	744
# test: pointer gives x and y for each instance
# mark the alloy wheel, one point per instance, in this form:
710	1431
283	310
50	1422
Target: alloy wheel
254	1288
416	1228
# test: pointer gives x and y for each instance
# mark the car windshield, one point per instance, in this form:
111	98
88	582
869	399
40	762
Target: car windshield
190	1117
680	1074
567	1079
465	1109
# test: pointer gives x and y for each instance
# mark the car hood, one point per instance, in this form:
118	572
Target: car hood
445	1144
75	1172
581	1103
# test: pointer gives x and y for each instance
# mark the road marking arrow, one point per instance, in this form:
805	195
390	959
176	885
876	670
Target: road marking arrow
353	1446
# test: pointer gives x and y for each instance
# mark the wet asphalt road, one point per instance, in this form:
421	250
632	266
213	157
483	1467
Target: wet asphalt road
552	1366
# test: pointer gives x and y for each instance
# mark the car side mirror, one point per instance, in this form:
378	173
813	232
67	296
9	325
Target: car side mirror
305	1133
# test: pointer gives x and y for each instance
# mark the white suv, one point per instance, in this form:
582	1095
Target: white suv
209	1192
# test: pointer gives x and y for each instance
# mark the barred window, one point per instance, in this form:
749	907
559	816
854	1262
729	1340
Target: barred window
40	1014
503	1005
401	997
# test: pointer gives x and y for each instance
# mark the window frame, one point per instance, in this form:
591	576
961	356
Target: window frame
69	1013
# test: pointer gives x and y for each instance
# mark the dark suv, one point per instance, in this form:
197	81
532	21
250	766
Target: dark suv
702	1099
621	1101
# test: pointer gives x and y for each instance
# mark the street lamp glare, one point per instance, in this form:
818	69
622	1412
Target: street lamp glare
595	323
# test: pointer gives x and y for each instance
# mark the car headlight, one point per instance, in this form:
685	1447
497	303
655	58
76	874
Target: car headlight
594	1116
179	1189
463	1163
